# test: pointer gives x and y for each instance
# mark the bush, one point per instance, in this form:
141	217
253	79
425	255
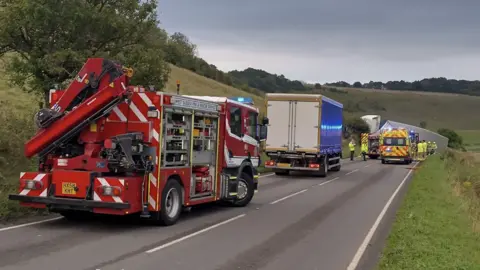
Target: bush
455	141
356	126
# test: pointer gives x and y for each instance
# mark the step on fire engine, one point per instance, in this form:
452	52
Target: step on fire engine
110	148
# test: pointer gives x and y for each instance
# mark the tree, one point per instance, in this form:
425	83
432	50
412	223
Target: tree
51	39
356	125
423	124
317	86
180	51
357	85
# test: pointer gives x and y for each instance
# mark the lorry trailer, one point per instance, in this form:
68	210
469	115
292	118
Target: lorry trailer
107	147
305	133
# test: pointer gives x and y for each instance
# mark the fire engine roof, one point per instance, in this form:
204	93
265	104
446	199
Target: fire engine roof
222	100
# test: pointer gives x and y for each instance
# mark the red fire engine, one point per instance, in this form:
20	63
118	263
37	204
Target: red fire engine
110	148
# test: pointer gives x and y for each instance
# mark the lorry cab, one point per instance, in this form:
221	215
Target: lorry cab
395	146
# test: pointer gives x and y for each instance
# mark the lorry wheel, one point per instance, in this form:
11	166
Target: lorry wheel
383	161
171	203
336	168
324	167
245	190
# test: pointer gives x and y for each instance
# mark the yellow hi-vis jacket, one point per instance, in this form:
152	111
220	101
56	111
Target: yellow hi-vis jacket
364	148
351	146
422	147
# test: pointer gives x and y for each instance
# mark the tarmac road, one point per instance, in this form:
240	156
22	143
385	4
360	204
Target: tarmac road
298	222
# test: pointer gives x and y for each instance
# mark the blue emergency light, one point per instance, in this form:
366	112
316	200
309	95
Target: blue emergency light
246	100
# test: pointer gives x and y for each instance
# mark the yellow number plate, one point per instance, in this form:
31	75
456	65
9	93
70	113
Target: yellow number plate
284	165
69	188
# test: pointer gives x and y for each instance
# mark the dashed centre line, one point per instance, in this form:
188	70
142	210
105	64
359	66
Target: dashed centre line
351	172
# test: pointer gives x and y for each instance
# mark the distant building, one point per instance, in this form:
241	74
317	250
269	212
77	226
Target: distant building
424	134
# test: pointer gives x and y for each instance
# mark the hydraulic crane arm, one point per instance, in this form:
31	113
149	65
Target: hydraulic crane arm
98	88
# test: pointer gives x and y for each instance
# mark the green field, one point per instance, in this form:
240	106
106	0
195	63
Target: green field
457	112
437	226
471	139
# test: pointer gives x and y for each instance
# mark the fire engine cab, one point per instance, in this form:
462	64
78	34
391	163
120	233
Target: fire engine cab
110	148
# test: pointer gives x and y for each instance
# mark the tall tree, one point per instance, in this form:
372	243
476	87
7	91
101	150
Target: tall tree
51	39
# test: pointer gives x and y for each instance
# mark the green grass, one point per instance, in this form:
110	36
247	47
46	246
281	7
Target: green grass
471	139
458	112
434	226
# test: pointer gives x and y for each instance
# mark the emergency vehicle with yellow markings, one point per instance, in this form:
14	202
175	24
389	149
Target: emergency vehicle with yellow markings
395	146
110	148
372	141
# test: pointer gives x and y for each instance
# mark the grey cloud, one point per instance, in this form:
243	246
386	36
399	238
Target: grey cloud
392	30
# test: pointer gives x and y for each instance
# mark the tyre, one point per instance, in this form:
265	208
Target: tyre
171	203
336	168
245	190
324	167
383	161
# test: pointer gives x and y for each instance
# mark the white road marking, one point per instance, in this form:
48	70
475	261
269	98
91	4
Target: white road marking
367	165
266	175
288	196
194	234
326	182
351	172
28	224
361	250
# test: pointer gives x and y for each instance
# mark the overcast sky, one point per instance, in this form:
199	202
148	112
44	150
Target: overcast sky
333	40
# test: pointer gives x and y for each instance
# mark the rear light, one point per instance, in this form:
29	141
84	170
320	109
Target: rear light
31	184
109	190
314	165
269	163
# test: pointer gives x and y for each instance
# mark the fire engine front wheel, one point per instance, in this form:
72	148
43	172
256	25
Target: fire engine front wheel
245	190
171	204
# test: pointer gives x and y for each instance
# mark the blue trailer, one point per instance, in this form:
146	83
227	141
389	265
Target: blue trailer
305	133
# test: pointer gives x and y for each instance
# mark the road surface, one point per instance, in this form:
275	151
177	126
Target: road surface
298	222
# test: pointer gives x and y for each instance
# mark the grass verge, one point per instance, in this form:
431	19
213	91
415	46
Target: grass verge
435	227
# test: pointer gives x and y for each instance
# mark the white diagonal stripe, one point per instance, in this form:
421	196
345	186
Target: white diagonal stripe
155	134
146	99
120	115
25	192
151	201
44	193
39	177
122	181
117	199
137	112
96	197
22	174
153	179
103	182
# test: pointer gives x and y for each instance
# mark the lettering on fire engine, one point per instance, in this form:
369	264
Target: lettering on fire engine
193	104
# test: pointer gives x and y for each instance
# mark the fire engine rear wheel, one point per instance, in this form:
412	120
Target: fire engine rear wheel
171	203
245	190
